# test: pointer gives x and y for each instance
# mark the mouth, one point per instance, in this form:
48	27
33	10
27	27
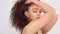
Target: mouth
38	17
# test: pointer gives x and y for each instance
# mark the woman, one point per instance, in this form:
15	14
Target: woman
26	16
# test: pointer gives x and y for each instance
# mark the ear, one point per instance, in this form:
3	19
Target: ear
26	13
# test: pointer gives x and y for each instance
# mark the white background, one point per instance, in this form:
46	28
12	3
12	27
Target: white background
5	7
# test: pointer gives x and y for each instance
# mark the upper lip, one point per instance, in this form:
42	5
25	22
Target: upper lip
38	17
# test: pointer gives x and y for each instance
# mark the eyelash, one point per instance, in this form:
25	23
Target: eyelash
34	11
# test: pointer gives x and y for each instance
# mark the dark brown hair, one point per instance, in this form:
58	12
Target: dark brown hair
17	16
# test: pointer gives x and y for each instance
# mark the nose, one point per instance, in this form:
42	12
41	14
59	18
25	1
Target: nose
38	14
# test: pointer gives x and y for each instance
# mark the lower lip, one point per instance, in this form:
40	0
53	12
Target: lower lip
38	17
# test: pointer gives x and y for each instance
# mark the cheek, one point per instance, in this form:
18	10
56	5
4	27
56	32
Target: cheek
33	16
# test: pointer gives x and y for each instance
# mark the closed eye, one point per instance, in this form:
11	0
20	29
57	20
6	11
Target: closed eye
34	11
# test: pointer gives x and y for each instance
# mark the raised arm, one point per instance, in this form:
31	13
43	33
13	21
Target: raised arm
47	28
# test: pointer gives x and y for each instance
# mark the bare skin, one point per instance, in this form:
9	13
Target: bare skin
51	23
41	23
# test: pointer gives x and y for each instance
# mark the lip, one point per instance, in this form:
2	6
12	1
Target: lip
38	17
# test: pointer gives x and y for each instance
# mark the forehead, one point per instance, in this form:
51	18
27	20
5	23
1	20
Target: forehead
34	7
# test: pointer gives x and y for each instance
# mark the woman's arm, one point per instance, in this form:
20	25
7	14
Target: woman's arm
50	24
53	20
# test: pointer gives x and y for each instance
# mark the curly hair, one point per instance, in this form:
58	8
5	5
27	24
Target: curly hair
17	16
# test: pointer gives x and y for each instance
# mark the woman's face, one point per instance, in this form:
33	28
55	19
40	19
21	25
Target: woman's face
33	12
